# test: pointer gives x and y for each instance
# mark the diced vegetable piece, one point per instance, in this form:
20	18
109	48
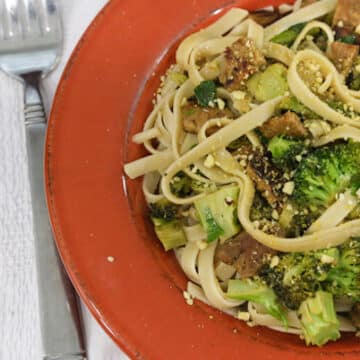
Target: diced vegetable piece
167	227
269	84
288	36
348	39
178	77
205	92
170	234
217	213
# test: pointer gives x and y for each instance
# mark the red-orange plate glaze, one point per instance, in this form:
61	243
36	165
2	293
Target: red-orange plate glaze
103	98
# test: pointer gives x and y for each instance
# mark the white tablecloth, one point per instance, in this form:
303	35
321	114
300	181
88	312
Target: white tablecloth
19	320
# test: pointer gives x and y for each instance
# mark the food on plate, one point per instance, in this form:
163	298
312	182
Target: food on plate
253	176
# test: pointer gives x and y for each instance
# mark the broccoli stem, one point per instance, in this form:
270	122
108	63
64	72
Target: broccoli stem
318	319
257	292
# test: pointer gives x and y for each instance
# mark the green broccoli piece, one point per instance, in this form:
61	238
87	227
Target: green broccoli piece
354	83
217	213
298	276
353	80
344	279
163	210
284	151
167	226
184	186
355	213
325	173
260	209
181	185
288	36
171	234
350	256
341	108
257	292
268	84
291	103
318	319
205	92
300	222
238	143
348	39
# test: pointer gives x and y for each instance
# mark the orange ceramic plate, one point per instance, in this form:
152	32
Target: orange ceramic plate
103	98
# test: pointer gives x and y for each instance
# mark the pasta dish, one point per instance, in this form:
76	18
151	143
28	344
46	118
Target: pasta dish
253	172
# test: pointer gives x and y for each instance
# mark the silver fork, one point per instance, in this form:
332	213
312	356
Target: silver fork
30	46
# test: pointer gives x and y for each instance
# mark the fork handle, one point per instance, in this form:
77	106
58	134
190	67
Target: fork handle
60	320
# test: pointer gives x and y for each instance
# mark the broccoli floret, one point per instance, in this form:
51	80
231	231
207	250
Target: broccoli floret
344	283
291	103
325	173
167	226
298	276
257	292
353	80
181	185
284	151
260	209
318	319
163	210
341	108
350	256
300	223
184	186
344	279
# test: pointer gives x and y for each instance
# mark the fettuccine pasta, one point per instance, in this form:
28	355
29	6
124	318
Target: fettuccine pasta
253	172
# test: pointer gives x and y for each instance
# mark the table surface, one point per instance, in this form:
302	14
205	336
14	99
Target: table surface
20	330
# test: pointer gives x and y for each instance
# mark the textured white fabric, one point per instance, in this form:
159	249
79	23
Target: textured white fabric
19	320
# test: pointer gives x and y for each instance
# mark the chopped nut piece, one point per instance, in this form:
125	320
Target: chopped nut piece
220	103
288	187
274	261
326	259
243	315
238	95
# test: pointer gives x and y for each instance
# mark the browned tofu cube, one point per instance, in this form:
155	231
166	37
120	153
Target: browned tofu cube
347	13
343	55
